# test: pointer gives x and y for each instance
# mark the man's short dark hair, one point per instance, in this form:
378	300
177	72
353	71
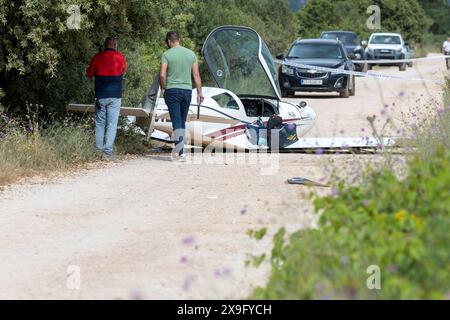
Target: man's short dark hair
110	42
172	36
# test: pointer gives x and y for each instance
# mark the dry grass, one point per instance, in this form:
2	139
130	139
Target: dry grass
57	148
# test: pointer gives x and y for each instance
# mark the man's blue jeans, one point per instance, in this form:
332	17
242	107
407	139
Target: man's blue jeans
106	118
178	102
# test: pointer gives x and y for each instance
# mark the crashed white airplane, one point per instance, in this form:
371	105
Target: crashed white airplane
235	114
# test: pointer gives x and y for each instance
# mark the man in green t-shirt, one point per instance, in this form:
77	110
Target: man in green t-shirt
178	65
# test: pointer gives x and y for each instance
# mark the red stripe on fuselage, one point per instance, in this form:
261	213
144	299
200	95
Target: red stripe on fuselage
232	130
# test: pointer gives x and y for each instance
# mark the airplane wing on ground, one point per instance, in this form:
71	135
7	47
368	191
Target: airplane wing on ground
161	136
340	143
90	108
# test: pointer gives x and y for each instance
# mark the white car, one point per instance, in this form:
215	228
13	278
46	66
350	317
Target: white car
387	46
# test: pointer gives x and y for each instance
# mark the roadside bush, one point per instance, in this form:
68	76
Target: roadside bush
26	149
25	152
399	225
129	139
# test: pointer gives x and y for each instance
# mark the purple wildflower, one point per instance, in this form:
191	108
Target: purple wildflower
435	131
184	259
320	151
365	202
401	94
188	282
190	240
2	135
244	210
136	295
335	192
5	118
392	268
222	272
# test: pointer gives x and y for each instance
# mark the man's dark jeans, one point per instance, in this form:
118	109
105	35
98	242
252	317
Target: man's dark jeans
178	102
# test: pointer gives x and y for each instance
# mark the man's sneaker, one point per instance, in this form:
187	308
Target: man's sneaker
180	158
110	157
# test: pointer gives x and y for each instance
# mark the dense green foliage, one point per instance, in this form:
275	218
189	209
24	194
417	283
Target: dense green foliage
43	61
406	16
439	12
399	224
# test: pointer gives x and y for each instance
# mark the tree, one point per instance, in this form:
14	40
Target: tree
43	61
439	12
406	17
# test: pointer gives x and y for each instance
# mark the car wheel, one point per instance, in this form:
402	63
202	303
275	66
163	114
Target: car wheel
353	89
346	92
402	67
411	64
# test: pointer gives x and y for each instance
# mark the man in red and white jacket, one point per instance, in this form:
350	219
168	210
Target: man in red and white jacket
108	68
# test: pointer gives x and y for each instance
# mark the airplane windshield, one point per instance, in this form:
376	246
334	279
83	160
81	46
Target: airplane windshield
232	55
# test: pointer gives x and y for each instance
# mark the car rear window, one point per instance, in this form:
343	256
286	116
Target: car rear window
316	51
385	40
348	39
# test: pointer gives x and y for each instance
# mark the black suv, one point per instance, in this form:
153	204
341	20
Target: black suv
319	53
351	42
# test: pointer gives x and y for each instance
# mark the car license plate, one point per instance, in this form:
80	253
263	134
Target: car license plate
311	82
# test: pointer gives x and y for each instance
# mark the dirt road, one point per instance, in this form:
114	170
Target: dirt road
147	228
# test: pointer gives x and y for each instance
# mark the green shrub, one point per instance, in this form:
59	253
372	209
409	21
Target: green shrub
399	225
130	141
